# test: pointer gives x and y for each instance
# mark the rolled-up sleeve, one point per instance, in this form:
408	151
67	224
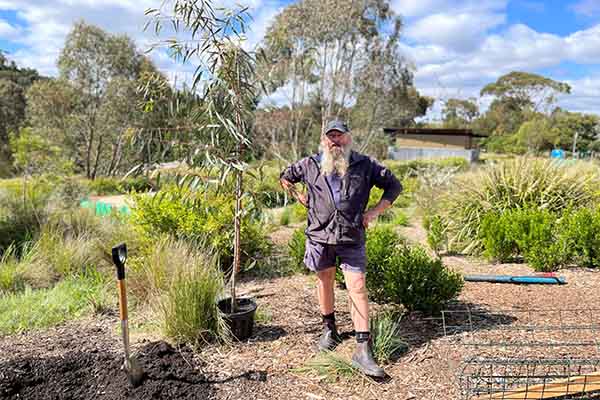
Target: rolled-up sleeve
294	173
384	179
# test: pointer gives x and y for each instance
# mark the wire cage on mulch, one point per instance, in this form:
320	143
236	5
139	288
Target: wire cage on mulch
527	354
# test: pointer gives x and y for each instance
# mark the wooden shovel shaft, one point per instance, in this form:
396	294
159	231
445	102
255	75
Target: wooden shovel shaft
122	300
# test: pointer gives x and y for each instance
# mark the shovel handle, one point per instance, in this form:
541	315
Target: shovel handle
119	255
122	300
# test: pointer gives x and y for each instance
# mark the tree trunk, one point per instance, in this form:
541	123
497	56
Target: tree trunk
97	160
237	239
88	157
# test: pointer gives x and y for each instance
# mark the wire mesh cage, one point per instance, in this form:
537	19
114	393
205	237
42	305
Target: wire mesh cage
526	353
526	378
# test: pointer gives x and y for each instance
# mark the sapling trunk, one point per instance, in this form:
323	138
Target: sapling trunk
237	227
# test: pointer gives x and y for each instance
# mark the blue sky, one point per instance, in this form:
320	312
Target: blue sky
456	46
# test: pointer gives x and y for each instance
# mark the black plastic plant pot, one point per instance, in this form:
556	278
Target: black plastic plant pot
241	322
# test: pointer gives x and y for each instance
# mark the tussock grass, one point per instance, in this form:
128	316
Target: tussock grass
182	285
386	336
329	365
54	257
514	184
12	278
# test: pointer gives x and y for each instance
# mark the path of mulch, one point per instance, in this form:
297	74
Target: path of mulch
81	359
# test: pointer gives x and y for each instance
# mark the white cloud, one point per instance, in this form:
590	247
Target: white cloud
519	47
419	8
448	65
584	46
47	23
262	17
415	8
584	95
8	31
460	32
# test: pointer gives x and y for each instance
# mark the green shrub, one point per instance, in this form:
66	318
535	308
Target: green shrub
269	193
385	332
103	186
410	185
27	206
539	236
381	243
400	219
498	238
69	192
418	282
23	211
286	217
293	213
264	184
201	216
580	231
299	212
296	248
136	184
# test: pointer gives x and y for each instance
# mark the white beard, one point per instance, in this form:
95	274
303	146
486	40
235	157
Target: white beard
336	161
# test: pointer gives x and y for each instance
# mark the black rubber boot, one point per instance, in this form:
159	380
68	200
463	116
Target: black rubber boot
329	338
363	360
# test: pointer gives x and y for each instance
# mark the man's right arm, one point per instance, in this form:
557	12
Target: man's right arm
293	174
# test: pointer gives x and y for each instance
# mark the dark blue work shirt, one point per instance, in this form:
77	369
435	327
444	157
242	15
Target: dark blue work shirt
335	183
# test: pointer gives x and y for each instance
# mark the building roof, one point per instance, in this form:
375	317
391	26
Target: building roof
431	131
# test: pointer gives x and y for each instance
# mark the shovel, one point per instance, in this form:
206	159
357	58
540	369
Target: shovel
135	373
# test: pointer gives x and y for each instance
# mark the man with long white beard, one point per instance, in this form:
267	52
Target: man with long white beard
338	182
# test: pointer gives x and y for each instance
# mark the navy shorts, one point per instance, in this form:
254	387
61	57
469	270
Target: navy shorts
320	256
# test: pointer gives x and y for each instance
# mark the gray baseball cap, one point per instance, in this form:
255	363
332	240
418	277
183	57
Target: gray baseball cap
336	125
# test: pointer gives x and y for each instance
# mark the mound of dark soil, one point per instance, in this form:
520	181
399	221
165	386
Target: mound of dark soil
92	374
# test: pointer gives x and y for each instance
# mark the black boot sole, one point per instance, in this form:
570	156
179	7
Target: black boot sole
359	367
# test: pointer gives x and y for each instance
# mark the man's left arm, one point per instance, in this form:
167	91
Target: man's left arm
384	179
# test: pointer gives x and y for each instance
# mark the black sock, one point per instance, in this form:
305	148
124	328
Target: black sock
362	337
329	318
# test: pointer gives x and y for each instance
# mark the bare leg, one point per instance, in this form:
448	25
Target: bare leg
359	309
358	299
325	294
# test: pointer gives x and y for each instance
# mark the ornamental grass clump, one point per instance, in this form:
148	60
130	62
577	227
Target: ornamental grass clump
514	184
181	284
387	340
